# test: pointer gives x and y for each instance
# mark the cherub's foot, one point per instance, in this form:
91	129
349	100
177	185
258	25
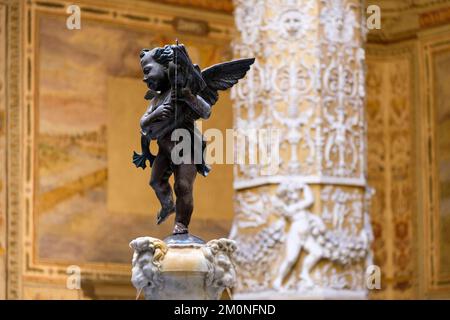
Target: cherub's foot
179	228
163	214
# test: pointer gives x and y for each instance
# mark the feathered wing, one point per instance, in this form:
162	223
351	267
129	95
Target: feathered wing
223	76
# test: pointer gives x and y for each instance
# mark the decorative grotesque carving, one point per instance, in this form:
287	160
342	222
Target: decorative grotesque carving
339	21
146	271
221	273
330	140
249	17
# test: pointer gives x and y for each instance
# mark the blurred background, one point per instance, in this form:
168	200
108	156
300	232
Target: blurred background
364	114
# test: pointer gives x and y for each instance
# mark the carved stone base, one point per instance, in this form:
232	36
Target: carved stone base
182	267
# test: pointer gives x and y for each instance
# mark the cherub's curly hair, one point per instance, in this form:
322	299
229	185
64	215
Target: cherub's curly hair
161	55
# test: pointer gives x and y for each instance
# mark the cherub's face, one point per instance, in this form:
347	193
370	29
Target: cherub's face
155	74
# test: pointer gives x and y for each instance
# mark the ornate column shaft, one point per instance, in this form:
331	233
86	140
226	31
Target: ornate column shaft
304	231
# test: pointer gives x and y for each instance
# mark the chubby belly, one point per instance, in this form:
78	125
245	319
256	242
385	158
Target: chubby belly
157	129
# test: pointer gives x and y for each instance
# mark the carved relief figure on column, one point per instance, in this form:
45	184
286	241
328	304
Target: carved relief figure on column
295	208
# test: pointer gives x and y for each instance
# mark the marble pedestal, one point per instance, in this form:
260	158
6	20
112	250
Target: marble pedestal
182	267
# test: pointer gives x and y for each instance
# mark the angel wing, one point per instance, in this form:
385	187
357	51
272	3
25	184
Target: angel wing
223	76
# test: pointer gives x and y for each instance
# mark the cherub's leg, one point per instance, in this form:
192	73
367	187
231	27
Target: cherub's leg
184	184
292	251
159	181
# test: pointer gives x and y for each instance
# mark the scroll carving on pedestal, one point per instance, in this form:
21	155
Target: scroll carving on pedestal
221	272
146	264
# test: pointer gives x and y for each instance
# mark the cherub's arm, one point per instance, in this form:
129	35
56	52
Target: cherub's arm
150	116
147	119
145	146
160	113
140	159
203	108
306	202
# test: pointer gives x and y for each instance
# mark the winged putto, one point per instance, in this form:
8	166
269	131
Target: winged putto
179	94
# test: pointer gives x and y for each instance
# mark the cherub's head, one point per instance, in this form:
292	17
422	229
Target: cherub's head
154	65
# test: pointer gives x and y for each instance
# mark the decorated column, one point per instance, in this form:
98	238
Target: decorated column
303	231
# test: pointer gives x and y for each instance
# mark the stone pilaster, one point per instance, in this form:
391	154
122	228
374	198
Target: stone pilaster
182	271
2	151
303	231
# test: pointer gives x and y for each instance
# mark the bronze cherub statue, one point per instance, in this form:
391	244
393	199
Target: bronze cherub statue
179	94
